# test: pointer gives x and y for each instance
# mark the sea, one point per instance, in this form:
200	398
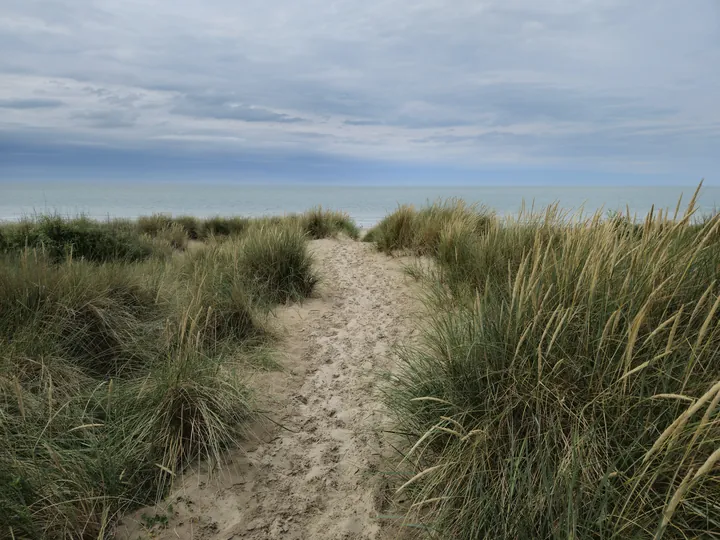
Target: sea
366	204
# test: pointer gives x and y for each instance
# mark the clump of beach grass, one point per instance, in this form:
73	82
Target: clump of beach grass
322	223
192	226
567	383
220	294
152	225
96	316
396	231
175	236
278	263
419	231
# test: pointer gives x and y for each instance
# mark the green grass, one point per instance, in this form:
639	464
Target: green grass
225	306
154	224
221	226
419	231
567	382
155	236
117	371
316	223
80	238
98	317
277	263
79	451
193	228
319	223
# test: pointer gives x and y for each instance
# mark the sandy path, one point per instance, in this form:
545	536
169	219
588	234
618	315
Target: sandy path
318	479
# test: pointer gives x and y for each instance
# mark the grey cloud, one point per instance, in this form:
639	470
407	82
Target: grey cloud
509	104
30	103
225	107
361	122
548	80
107	119
419	122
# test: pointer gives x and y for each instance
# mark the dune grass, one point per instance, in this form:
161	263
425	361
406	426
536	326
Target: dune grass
419	231
567	382
156	235
81	238
225	306
316	223
116	370
322	223
282	273
222	226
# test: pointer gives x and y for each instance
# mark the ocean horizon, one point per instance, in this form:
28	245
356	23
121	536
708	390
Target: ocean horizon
365	204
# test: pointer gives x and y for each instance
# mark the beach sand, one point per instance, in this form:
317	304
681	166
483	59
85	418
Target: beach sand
316	469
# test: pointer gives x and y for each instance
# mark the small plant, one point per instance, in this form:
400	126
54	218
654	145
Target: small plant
155	520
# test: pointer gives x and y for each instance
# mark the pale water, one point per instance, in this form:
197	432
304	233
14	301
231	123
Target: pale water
366	205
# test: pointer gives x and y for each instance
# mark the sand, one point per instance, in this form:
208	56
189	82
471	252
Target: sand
321	475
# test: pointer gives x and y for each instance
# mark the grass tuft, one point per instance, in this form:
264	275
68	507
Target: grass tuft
319	223
420	231
278	263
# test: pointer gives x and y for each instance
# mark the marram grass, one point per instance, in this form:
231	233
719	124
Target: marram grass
419	231
155	236
567	384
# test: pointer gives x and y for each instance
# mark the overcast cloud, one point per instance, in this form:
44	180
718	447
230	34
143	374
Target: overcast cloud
622	86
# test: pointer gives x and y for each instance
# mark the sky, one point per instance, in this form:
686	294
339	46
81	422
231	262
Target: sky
481	91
